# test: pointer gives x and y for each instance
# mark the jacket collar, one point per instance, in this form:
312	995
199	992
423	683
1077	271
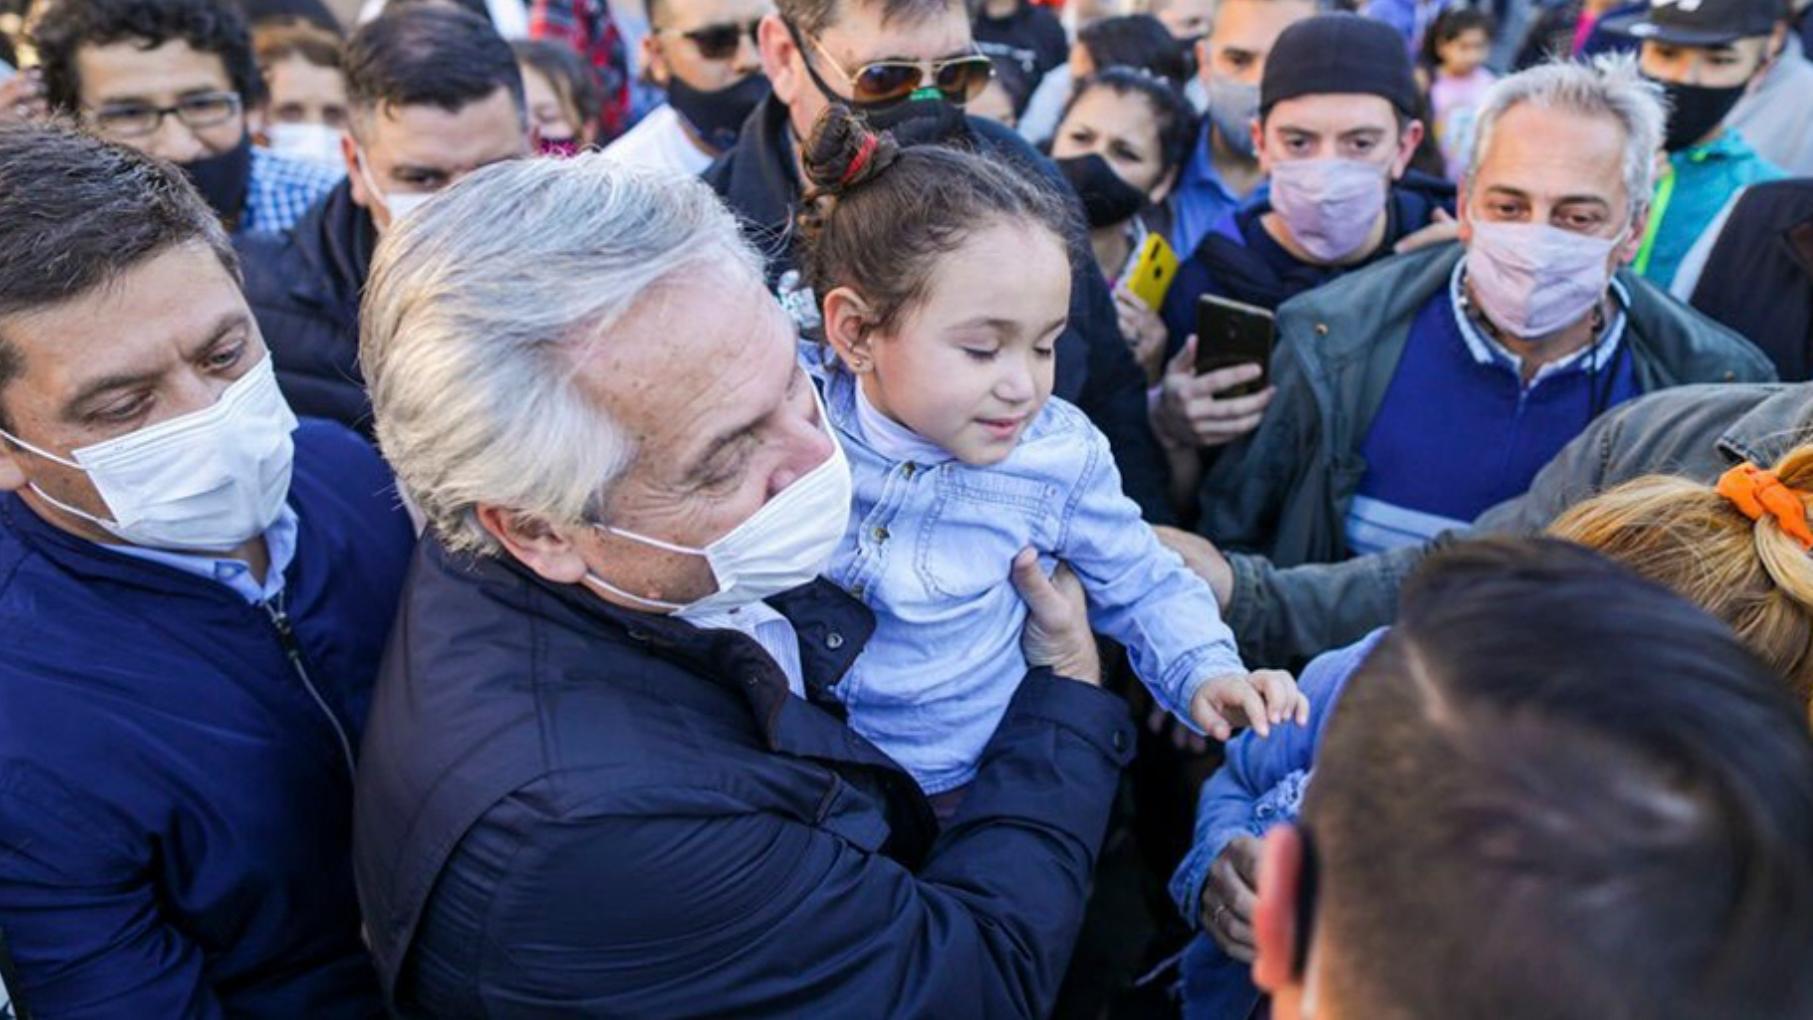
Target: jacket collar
336	240
93	562
832	628
1778	424
760	180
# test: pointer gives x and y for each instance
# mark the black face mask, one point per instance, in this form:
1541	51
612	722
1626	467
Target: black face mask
224	180
919	121
1695	110
1107	199
717	117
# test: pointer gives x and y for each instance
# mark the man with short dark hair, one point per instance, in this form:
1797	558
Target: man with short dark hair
909	66
703	54
1553	791
195	592
174	79
435	93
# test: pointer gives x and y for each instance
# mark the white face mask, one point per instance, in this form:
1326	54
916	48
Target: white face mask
208	481
400	203
310	143
1533	280
785	544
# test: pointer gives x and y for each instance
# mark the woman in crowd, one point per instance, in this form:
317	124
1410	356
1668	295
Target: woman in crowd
562	94
1739	549
1121	143
937	382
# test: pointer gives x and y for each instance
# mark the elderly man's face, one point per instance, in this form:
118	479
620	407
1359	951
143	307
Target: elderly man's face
721	416
163	340
1553	167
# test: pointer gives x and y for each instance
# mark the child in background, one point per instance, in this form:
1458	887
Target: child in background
1456	49
304	111
945	281
562	95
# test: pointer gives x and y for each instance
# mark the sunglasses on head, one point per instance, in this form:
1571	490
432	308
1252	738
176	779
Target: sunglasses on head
720	41
957	79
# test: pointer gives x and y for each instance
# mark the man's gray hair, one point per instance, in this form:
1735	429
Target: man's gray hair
1609	86
482	305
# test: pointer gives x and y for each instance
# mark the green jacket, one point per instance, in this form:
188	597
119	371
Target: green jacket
1284	617
1284	490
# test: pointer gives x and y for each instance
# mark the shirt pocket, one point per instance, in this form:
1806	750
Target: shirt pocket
979	520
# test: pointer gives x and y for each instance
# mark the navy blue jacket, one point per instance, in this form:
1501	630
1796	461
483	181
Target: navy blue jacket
175	807
568	809
304	289
1095	369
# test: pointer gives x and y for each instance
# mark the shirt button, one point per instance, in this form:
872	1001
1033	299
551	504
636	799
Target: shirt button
881	534
858	588
909	469
834	641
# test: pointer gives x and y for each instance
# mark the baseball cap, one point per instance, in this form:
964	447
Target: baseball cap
1700	22
1339	54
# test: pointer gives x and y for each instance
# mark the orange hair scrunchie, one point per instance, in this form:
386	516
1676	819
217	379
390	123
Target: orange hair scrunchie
1757	492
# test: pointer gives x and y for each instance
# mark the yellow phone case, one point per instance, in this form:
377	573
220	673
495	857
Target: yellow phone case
1152	271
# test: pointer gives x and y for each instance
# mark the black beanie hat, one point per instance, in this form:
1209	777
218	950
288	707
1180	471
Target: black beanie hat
1342	54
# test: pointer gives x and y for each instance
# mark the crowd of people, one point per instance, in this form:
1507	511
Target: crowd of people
1203	508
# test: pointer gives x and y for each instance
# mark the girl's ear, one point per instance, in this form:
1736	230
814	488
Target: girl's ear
847	321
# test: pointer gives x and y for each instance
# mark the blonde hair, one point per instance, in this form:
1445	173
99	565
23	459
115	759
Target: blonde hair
1685	536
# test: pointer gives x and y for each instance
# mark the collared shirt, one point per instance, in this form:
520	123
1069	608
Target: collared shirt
1488	351
280	548
660	142
1201	199
281	190
768	628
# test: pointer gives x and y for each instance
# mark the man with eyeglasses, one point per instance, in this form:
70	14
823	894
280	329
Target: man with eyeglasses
909	66
433	93
173	79
703	52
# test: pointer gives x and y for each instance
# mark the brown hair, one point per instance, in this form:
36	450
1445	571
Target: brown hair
878	216
276	41
1686	536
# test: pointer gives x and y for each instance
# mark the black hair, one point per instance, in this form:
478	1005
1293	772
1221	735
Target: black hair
1138	41
1450	25
1176	119
573	79
421	54
1558	790
878	216
76	212
207	26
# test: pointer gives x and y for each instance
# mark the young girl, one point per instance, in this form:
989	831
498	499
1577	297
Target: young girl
1738	549
1456	49
945	282
1122	141
562	95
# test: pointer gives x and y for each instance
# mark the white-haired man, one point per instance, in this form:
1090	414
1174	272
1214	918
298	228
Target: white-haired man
1512	340
605	775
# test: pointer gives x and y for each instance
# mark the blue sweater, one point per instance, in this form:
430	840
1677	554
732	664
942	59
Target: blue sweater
176	809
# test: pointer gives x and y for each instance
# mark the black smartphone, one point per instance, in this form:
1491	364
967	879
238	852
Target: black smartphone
1232	333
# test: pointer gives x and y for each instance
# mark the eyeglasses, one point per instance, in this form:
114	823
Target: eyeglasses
720	41
134	120
958	79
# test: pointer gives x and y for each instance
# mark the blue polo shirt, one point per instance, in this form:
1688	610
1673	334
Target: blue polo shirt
1200	199
1494	431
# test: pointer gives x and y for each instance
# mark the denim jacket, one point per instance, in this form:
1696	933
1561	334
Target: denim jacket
929	548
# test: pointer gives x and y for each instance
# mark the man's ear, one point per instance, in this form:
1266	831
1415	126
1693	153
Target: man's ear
349	151
654	62
534	544
256	121
1257	129
1281	866
847	329
1408	140
12	472
1461	215
1633	241
1202	58
780	59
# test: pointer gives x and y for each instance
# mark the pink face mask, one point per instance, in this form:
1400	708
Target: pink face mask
1531	279
1330	205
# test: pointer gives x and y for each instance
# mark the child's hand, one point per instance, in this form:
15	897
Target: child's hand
1260	699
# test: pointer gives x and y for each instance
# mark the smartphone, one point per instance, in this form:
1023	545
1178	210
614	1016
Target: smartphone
1152	272
1231	333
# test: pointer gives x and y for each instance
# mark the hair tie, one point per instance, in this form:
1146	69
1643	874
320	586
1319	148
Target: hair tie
857	162
1757	492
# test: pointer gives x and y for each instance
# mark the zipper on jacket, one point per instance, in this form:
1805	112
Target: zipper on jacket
286	636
